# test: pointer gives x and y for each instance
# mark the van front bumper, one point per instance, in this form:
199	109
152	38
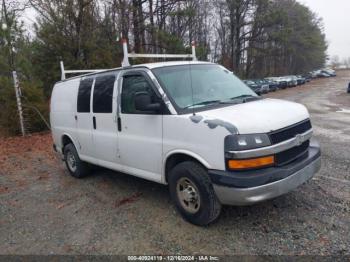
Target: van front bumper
250	187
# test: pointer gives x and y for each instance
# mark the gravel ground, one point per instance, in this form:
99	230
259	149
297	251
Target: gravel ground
45	211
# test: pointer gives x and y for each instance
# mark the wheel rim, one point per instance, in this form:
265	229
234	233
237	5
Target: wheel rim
71	161
188	195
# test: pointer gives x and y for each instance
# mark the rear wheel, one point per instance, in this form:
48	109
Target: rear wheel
192	193
75	166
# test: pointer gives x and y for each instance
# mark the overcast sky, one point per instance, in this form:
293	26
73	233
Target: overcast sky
336	19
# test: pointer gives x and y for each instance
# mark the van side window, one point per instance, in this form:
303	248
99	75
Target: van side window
103	94
84	93
133	84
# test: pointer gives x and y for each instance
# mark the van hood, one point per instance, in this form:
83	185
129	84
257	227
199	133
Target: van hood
260	116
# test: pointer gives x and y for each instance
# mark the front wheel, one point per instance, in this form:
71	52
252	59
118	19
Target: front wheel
75	166
192	192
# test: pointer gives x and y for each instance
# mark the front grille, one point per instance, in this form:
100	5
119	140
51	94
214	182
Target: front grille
291	154
289	132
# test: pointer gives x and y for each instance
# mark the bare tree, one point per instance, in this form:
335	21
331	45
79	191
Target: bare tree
10	12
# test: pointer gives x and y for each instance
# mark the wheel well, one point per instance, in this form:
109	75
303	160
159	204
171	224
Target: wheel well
65	141
176	159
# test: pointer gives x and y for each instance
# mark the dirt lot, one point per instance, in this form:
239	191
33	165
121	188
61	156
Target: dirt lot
45	211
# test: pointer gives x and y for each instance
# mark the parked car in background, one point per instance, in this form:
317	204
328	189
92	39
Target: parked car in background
313	74
291	81
349	88
295	80
282	83
273	85
329	71
321	73
253	86
301	80
308	77
284	80
264	86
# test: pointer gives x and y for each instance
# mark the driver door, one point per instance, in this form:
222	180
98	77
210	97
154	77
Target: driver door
140	133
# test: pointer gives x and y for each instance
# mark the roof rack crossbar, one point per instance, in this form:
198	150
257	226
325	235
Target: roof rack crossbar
126	62
64	72
133	55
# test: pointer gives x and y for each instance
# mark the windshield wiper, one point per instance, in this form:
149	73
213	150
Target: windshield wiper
241	98
204	103
246	98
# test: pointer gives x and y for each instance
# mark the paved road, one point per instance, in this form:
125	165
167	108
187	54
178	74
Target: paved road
45	211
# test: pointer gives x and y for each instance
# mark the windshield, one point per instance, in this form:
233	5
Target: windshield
210	84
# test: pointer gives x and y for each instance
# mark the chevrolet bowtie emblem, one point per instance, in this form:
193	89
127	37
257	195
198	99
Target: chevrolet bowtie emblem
299	139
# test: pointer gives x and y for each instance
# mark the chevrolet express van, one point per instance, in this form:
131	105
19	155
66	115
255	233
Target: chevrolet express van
193	126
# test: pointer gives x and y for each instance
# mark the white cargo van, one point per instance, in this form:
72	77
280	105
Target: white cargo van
191	125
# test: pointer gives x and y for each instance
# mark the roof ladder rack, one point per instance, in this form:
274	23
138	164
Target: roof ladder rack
64	72
126	62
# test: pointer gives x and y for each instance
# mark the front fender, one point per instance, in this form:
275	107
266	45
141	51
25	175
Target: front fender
196	156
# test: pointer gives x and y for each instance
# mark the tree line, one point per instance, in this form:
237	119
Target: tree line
253	38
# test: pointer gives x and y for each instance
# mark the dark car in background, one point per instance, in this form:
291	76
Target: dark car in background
349	88
301	80
253	86
282	83
279	81
264	86
291	80
273	85
308	77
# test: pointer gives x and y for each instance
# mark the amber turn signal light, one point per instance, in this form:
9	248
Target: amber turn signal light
251	163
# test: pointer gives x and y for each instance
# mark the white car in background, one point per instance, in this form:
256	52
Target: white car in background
293	80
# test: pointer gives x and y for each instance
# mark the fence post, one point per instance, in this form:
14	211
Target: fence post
18	98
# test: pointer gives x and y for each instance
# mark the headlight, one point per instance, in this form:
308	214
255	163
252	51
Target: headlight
246	142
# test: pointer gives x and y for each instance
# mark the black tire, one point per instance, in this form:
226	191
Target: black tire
81	168
209	208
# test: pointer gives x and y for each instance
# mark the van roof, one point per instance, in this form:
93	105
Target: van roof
147	65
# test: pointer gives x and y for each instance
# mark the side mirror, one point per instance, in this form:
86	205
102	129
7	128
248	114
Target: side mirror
143	102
